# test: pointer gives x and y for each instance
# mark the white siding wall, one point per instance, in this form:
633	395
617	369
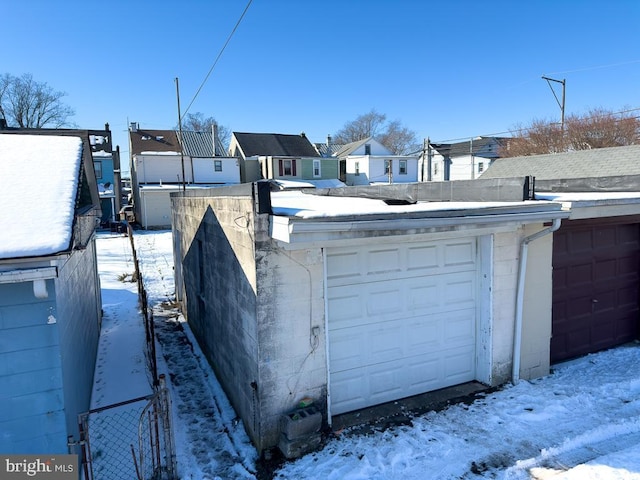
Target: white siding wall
204	170
162	168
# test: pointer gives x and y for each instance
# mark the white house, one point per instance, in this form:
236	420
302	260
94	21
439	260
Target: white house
458	161
166	161
368	161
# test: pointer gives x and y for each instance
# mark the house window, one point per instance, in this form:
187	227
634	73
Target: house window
403	167
97	166
217	165
287	167
367	149
357	166
435	168
316	168
480	167
387	167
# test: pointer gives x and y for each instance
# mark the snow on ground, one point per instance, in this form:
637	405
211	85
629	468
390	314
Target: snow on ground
581	422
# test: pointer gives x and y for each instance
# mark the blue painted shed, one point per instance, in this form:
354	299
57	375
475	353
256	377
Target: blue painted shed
50	304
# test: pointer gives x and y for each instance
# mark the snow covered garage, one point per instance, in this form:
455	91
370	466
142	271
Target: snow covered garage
355	301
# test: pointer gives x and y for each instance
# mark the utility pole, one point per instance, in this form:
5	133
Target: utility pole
560	103
180	139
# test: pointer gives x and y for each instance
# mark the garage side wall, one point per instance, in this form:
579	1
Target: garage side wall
536	315
505	279
216	250
292	332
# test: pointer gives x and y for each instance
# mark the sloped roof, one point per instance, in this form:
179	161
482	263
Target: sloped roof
599	162
481	146
275	144
197	144
349	148
38	193
153	141
328	150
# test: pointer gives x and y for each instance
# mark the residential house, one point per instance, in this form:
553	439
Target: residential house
50	305
596	252
278	156
459	161
367	161
106	164
167	161
358	296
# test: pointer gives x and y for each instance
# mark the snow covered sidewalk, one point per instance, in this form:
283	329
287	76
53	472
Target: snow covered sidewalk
581	422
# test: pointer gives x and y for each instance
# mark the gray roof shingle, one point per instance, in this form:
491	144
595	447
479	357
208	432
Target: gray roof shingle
275	144
599	162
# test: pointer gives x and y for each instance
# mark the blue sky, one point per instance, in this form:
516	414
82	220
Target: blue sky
449	69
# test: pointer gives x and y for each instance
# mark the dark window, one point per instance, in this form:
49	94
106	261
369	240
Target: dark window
217	165
97	166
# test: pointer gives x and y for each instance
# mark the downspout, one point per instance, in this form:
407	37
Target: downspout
522	270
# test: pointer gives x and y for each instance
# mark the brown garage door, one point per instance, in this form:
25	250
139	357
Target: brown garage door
595	286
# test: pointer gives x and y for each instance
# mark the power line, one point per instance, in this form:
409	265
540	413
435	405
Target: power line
218	57
521	130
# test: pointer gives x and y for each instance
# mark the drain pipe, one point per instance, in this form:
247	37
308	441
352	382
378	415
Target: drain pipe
522	270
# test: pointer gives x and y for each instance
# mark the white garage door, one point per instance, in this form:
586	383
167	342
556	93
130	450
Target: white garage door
402	320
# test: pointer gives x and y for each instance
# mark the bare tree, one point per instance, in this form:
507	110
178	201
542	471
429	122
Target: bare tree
396	137
596	129
197	122
27	103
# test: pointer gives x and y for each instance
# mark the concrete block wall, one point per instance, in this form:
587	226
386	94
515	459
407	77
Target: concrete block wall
292	333
505	278
536	329
217	252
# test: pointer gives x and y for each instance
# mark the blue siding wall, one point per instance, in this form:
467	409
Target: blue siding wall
32	416
79	307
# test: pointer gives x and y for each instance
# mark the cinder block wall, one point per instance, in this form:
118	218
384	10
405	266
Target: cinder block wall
291	329
256	309
536	318
505	279
218	267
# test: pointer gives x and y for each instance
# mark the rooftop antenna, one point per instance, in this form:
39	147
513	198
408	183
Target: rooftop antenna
560	104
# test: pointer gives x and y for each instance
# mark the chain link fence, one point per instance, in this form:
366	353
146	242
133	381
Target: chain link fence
129	440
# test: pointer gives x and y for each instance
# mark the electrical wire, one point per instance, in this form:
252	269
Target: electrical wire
217	58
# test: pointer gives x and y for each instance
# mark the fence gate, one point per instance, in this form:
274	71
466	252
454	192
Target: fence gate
129	440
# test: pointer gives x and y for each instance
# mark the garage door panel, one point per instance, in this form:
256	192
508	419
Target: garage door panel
410	323
423	258
344	265
383	261
462	253
459	328
595	286
347	307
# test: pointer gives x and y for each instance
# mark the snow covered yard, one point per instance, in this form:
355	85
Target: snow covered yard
581	422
